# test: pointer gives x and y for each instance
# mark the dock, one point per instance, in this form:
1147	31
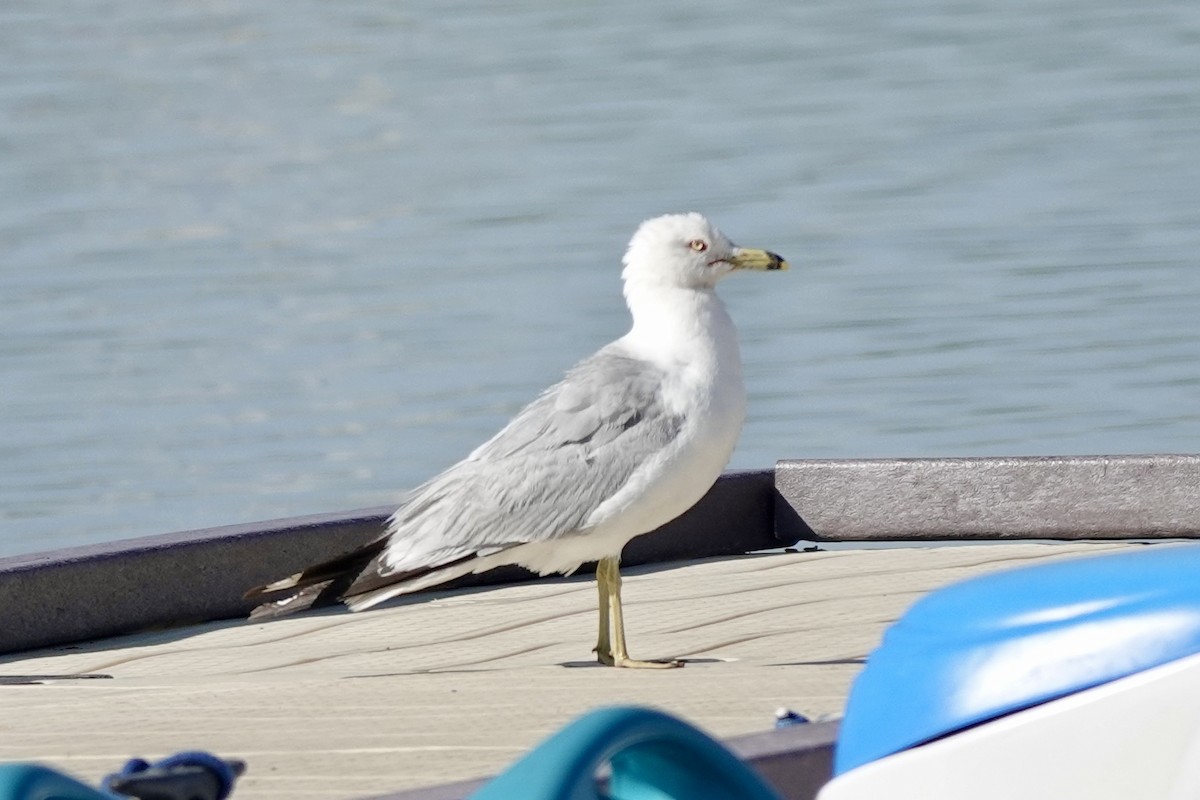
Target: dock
450	686
455	685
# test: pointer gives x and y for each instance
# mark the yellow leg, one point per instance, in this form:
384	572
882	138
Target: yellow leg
608	579
604	652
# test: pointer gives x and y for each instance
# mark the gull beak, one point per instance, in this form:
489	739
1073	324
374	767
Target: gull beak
751	258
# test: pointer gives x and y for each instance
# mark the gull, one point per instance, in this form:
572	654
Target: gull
632	437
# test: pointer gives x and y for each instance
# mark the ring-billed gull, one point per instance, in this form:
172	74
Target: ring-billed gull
631	438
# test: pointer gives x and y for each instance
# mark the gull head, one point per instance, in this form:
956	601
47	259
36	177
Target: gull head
687	251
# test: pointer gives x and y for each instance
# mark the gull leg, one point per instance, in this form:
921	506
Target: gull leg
620	656
604	653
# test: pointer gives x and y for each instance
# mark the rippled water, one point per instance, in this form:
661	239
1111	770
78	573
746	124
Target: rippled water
263	259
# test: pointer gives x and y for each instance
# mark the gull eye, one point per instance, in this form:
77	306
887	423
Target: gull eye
699	245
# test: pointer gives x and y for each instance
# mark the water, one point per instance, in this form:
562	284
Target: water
263	259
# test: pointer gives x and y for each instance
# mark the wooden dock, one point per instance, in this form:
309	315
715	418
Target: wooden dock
455	685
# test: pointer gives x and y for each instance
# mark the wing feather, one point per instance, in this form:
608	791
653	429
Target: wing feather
538	479
544	474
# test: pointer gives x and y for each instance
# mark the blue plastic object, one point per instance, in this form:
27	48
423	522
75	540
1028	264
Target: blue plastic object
653	756
188	775
1003	642
35	782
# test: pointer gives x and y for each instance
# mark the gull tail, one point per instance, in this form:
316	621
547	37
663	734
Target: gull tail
359	580
371	590
309	596
319	585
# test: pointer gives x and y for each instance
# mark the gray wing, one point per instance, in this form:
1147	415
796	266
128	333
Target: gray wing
542	476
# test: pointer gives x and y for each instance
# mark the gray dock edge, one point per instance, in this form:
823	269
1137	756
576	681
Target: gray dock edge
104	590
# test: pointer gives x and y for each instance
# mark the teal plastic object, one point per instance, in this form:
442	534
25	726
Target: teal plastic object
35	782
993	645
653	755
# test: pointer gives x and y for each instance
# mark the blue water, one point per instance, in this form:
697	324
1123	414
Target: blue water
263	259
